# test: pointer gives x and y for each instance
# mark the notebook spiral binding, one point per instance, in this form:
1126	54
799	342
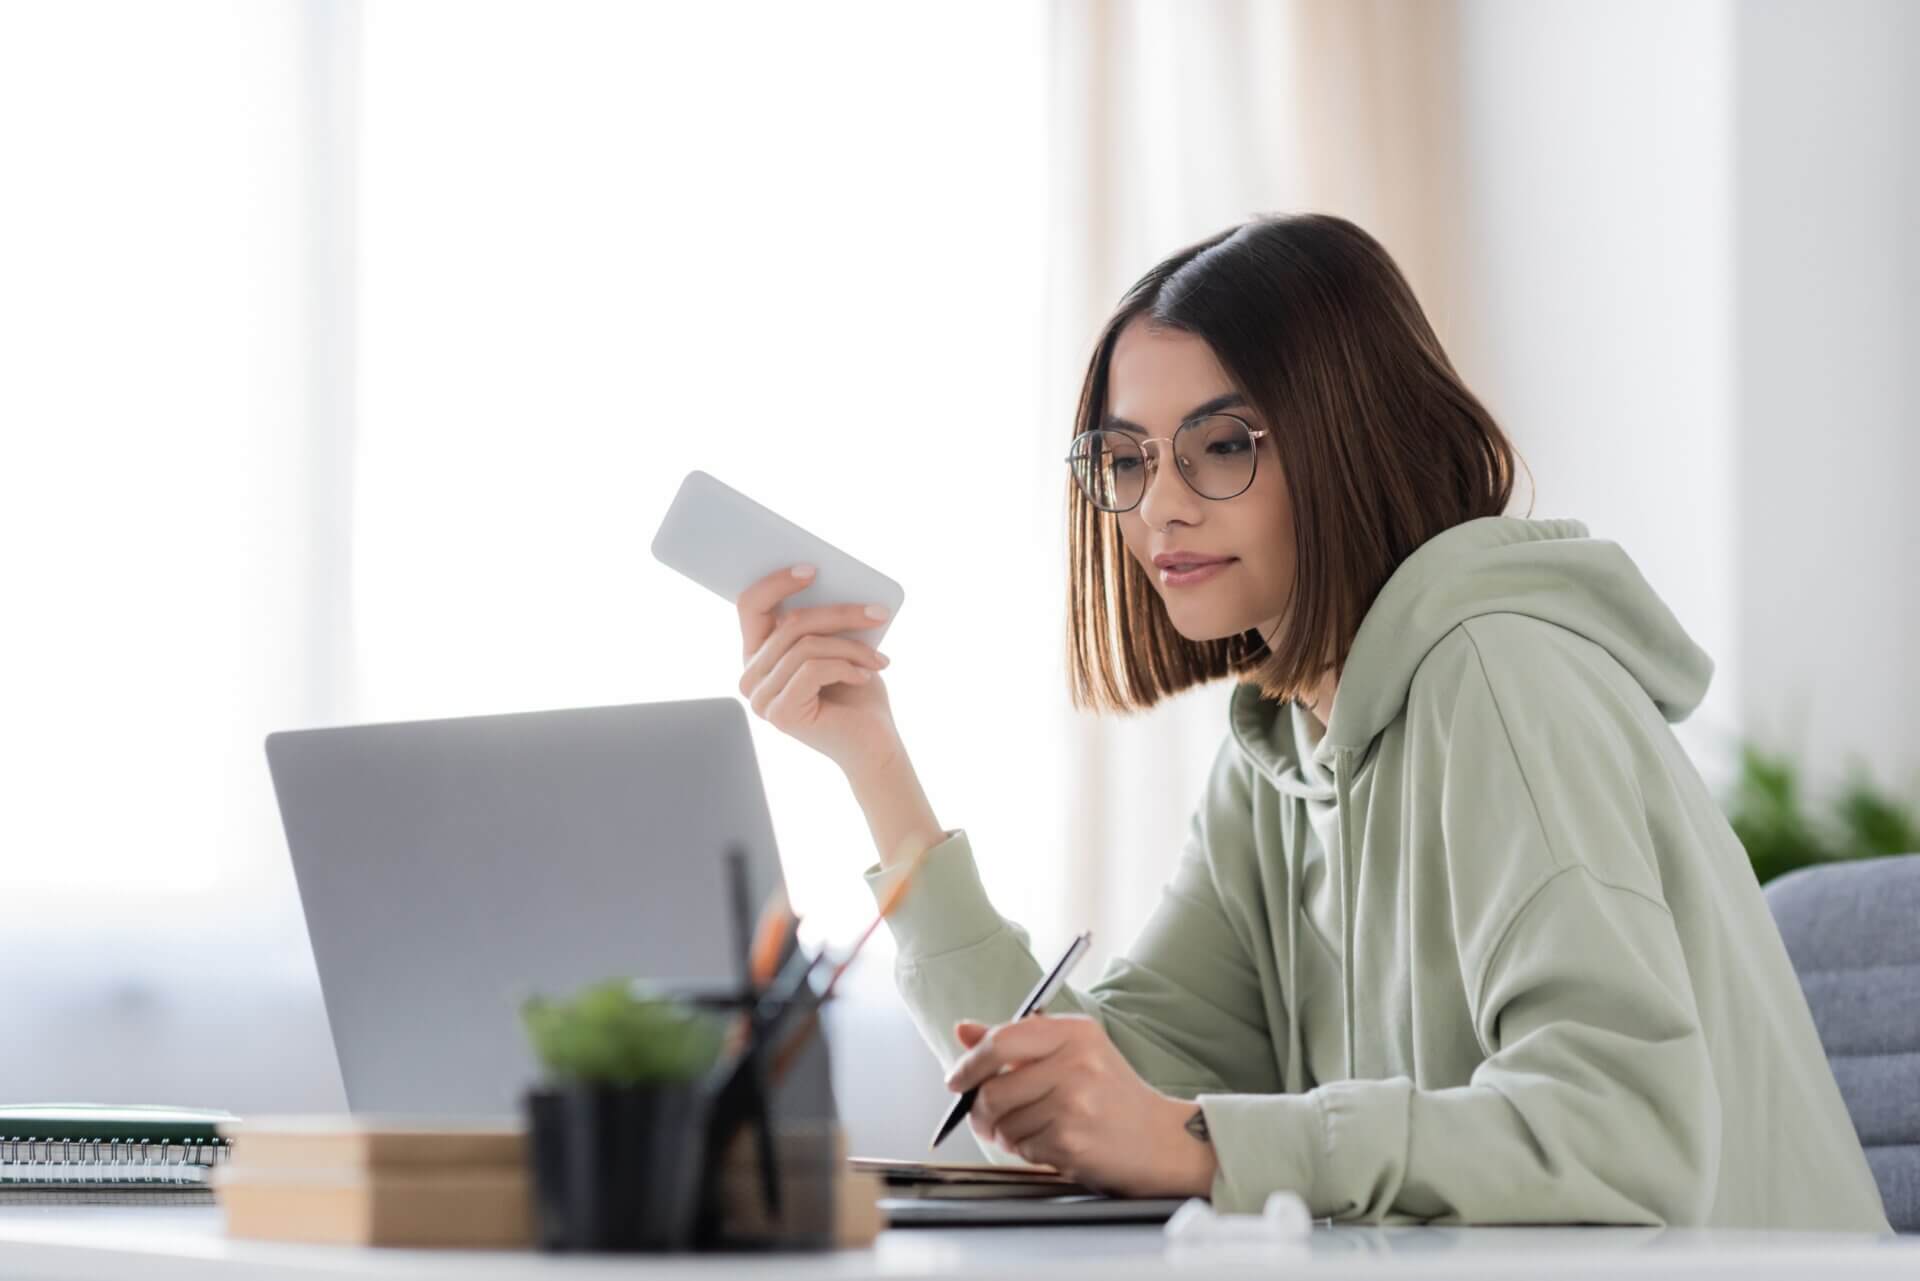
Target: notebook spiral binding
27	1159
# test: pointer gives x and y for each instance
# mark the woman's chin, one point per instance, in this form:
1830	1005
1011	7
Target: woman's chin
1198	630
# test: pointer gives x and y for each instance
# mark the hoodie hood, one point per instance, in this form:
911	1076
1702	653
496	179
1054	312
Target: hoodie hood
1545	569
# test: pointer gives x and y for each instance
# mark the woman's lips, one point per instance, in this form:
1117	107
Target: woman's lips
1186	578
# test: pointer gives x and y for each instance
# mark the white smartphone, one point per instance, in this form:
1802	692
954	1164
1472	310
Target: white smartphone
726	542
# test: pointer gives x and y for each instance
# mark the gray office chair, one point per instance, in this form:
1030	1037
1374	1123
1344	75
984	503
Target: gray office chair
1853	931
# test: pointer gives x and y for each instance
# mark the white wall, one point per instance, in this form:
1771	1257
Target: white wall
1693	248
1599	217
1827	241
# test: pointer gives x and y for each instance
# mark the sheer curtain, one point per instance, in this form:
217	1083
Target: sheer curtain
367	344
360	350
796	246
172	456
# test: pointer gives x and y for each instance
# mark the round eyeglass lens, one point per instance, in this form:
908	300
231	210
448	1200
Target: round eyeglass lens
1216	454
1110	469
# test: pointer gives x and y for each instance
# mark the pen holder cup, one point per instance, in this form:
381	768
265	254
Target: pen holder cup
734	1161
799	1194
617	1167
740	1112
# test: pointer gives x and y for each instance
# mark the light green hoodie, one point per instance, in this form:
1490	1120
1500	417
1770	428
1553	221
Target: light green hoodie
1485	952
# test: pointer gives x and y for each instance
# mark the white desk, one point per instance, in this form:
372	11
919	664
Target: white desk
51	1243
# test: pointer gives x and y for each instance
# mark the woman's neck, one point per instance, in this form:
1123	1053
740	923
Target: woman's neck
1319	700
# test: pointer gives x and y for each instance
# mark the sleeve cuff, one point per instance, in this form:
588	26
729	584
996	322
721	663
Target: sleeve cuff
1337	1146
1264	1143
946	908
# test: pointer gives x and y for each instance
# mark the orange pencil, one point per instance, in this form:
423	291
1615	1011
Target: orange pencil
797	1041
776	922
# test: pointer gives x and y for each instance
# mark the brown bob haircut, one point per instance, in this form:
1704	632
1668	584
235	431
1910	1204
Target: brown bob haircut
1381	444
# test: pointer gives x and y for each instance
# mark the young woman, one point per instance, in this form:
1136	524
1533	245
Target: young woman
1457	933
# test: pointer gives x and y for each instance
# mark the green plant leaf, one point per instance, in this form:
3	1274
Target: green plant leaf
1767	811
1873	822
622	1032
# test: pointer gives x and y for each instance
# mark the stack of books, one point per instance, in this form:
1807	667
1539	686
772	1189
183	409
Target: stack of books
366	1180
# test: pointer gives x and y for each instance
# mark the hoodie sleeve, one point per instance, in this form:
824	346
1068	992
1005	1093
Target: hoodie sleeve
1596	1100
1596	1103
1183	1005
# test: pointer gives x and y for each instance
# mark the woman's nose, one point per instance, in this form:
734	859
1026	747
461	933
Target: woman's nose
1166	491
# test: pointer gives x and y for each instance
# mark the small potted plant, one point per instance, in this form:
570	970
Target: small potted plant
616	1128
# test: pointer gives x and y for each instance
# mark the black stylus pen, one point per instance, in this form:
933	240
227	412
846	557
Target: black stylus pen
1042	993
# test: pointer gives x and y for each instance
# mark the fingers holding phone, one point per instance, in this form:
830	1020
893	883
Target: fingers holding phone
819	687
810	671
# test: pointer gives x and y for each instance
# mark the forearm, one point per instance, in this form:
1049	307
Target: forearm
896	807
1182	1006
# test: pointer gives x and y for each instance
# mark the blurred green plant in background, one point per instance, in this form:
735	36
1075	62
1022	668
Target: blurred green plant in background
622	1032
1781	830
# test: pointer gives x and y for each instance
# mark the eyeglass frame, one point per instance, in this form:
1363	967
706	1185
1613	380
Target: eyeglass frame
1152	457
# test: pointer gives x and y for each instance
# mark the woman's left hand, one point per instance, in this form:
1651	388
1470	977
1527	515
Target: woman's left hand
1054	1091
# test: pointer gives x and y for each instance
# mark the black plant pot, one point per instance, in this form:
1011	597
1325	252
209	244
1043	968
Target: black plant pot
617	1167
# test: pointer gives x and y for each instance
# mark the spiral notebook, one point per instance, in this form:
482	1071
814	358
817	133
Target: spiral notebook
77	1153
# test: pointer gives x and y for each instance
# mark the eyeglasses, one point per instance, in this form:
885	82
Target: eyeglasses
1216	452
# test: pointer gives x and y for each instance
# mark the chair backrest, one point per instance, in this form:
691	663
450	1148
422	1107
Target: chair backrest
1853	931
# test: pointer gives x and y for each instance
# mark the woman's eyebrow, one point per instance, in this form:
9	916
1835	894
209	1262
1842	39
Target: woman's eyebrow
1227	400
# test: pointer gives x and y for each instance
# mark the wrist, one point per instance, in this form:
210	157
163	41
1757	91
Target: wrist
896	807
873	772
1195	1162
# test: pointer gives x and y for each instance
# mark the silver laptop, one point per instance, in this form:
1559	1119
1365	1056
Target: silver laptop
448	867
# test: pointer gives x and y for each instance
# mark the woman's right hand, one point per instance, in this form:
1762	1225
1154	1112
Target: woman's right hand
822	689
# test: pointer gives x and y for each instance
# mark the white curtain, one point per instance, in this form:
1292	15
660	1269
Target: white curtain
357	353
797	246
172	469
410	317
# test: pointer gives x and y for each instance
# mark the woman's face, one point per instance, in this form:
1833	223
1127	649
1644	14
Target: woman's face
1156	380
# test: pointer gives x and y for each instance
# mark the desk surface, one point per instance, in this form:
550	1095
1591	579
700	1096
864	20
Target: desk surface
167	1242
